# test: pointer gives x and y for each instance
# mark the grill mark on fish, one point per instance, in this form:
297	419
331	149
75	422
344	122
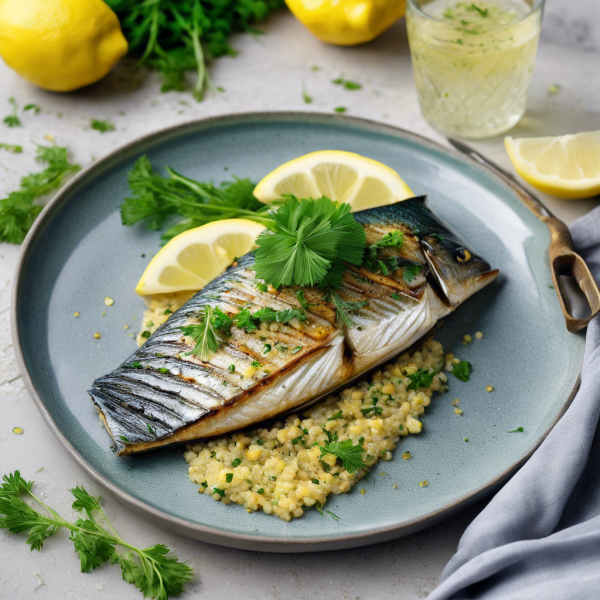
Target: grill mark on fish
195	398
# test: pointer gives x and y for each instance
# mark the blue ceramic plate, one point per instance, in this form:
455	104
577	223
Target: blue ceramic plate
78	253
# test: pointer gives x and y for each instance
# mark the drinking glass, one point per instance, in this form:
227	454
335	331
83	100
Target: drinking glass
472	62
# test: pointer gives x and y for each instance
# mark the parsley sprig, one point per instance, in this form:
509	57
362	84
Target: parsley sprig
155	571
306	240
176	36
12	120
155	199
17	210
209	333
349	454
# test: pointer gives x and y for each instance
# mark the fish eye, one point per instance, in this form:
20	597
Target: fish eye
463	255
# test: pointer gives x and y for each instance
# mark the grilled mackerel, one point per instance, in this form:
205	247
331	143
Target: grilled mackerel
163	394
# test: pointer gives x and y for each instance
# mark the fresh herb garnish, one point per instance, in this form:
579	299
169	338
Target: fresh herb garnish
208	334
349	454
34	108
12	148
347	84
155	199
517	430
262	287
410	272
101	126
236	462
266	349
231	368
17	210
319	508
337	415
307	242
150	428
340	109
307	99
396	296
155	571
228	477
255	364
296	349
345	308
392	239
219	491
422	378
12	120
250	321
462	370
302	300
175	36
145	334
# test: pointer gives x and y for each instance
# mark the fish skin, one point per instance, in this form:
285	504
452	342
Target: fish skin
162	396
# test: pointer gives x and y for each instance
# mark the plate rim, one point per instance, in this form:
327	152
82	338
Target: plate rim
212	534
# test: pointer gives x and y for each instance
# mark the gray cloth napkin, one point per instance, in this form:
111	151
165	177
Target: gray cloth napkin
539	537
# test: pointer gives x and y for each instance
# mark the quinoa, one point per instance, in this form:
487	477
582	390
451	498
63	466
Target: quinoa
280	470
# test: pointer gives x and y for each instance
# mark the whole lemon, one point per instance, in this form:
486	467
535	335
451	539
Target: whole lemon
60	45
347	22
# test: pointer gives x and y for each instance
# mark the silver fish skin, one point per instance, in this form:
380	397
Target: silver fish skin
164	395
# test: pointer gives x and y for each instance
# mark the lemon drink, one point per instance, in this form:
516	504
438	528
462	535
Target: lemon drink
472	62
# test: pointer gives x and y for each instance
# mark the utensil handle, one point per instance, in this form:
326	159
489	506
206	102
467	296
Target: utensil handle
565	261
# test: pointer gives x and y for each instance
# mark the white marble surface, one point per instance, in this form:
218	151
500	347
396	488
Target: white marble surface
267	75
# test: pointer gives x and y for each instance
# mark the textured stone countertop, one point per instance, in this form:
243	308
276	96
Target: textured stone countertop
267	75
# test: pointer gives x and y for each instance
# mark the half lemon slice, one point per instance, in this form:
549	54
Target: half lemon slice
343	176
195	257
566	166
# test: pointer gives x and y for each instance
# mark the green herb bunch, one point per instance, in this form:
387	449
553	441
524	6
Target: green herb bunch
154	571
17	210
176	36
308	242
348	453
155	199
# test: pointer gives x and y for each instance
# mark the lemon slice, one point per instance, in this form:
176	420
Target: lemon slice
566	166
343	176
195	257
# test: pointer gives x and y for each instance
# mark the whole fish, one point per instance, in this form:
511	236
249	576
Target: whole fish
163	394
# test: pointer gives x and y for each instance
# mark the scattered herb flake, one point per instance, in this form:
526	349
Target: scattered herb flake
12	120
517	430
12	148
462	370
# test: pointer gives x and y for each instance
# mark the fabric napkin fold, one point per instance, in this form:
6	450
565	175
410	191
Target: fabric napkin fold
539	537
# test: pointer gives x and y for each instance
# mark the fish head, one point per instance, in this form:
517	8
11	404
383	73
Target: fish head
458	271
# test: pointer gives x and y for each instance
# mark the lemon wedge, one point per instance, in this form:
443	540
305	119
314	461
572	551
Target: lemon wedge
343	176
195	257
566	166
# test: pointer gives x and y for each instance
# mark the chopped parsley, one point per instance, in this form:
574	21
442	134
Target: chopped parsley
410	272
517	430
208	334
348	453
251	321
145	334
302	300
296	350
462	370
340	109
231	368
34	108
423	378
255	364
347	84
12	120
266	349
229	477
150	428
307	99
260	491
396	296
219	491
236	462
262	287
12	148
337	415
102	126
168	311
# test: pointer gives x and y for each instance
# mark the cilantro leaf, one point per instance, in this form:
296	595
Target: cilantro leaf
410	272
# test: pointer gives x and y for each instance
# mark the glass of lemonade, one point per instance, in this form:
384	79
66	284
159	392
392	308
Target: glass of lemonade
472	62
